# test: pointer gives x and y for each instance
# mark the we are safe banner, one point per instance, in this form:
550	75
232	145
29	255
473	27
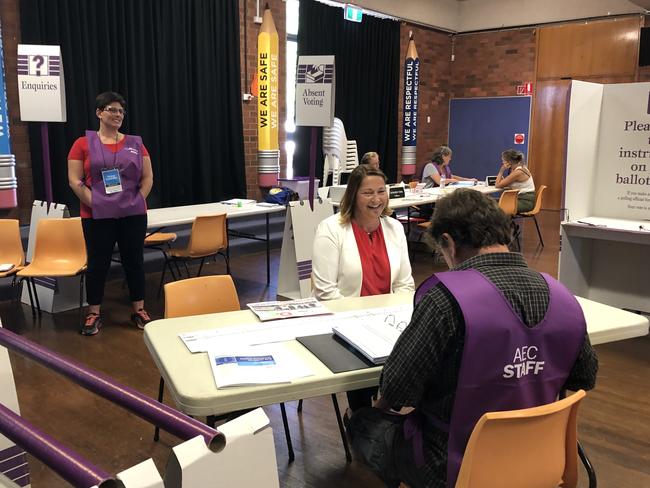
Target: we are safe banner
268	151
410	118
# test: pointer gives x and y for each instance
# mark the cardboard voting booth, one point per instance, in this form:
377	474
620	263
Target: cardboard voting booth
606	231
294	279
41	85
55	294
248	437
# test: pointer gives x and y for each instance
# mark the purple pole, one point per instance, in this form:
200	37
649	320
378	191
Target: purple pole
47	168
141	405
72	467
312	165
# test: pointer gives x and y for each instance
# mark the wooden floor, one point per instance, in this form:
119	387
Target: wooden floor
614	419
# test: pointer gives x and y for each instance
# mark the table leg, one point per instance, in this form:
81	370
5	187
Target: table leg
268	252
287	434
344	438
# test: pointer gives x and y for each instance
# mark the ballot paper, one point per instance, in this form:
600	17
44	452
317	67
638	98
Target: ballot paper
303	307
256	365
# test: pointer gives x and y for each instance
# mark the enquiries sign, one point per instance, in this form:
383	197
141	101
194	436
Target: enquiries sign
41	86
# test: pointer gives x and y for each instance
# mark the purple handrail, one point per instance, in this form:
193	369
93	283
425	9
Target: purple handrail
72	467
141	405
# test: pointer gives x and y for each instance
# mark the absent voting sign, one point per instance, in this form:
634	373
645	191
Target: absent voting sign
315	84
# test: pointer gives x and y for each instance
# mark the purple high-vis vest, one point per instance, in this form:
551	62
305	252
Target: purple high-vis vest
506	365
446	173
129	161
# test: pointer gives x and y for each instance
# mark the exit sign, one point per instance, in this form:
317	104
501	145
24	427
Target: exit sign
353	13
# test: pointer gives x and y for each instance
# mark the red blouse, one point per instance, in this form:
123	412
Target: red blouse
375	266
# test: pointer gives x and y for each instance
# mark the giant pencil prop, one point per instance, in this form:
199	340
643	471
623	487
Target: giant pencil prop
410	122
268	154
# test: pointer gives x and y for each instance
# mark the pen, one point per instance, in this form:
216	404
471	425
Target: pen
643	228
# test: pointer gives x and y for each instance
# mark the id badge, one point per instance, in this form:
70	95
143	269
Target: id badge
112	181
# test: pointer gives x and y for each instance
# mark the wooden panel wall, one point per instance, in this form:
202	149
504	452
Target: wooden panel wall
601	52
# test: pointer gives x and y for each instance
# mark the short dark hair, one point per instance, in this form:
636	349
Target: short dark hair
346	208
103	100
472	219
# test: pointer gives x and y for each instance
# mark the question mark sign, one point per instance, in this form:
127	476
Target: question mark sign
39	60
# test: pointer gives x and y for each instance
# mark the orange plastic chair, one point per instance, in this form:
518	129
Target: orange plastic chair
197	296
533	447
60	250
508	203
159	239
201	295
11	248
533	213
209	237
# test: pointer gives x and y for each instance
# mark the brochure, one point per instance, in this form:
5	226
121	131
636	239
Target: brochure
4	267
256	365
303	307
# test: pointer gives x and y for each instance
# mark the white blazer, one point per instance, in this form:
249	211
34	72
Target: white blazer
336	265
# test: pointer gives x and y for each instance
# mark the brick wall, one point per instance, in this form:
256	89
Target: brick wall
9	13
434	49
249	108
492	64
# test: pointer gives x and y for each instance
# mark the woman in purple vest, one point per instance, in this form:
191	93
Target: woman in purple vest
111	174
439	168
491	334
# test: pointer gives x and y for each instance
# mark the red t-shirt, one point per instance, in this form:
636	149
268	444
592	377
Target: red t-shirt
375	266
79	152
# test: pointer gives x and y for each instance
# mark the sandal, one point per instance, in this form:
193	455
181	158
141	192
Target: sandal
91	325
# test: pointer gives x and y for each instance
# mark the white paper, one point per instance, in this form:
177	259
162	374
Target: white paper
277	310
239	202
287	330
6	267
255	365
373	337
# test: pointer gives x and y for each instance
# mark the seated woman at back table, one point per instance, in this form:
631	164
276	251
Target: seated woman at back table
519	178
439	167
361	251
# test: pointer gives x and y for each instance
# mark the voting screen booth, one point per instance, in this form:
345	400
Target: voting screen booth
606	227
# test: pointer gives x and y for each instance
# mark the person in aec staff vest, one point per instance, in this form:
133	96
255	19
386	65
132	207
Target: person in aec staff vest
493	323
111	174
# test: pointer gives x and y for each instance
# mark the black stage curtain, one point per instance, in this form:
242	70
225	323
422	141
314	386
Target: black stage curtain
177	65
367	81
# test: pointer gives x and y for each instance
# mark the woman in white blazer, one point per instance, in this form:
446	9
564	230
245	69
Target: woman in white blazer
360	229
361	251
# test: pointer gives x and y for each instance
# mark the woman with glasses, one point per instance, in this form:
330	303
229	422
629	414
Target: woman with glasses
361	251
110	172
